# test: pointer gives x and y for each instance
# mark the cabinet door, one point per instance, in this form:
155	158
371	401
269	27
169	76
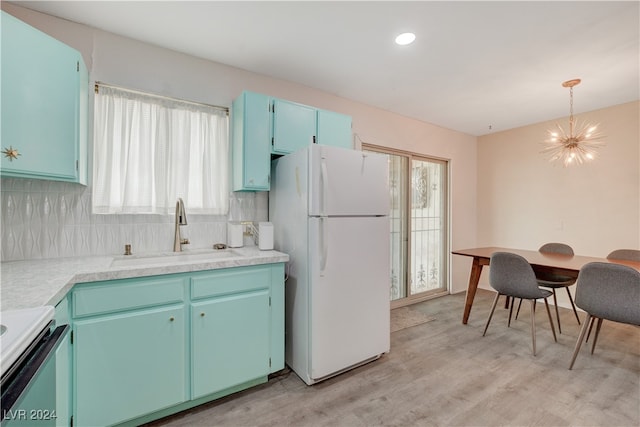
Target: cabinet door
277	317
63	368
294	126
334	129
230	341
40	103
251	141
128	365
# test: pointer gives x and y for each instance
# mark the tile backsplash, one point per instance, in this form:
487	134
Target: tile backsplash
48	219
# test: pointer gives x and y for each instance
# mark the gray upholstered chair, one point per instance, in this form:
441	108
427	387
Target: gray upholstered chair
511	275
622	254
625	254
554	281
607	291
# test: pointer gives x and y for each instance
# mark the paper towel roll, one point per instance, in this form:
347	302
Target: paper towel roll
234	234
265	233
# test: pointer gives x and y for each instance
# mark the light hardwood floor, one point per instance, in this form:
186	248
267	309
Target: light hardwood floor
443	373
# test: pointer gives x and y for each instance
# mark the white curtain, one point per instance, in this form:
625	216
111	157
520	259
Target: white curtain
148	151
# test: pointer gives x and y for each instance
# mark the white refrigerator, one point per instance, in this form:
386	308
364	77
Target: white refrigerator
330	210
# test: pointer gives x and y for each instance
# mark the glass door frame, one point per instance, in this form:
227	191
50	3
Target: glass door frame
407	244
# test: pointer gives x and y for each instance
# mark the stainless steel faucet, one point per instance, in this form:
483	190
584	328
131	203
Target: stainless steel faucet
181	219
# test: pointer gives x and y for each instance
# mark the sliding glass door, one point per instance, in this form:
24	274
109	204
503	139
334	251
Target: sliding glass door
419	228
428	226
399	187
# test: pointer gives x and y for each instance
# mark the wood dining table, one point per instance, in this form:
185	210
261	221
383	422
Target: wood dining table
565	265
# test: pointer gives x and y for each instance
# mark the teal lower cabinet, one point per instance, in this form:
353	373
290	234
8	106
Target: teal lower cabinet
63	369
129	364
276	320
230	341
148	347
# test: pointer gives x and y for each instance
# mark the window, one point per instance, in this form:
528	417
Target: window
150	150
419	230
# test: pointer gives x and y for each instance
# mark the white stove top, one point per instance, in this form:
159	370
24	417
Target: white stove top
18	329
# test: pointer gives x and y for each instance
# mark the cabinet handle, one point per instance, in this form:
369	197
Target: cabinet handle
171	319
201	314
11	153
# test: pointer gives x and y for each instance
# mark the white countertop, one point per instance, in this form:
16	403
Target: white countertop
35	283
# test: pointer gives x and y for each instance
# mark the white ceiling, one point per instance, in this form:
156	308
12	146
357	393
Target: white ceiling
473	64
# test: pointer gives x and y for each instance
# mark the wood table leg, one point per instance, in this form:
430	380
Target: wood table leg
474	278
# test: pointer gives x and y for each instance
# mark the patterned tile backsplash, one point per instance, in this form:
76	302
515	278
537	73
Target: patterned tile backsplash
47	219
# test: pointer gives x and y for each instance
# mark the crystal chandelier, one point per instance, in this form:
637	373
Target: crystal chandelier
577	146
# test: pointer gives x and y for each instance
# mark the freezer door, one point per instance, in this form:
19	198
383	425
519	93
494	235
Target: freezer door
345	182
349	292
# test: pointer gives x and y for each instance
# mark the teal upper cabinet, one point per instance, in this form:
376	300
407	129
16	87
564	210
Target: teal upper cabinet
44	105
263	126
334	129
294	126
251	141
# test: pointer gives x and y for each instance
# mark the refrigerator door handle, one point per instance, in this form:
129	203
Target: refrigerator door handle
325	246
324	179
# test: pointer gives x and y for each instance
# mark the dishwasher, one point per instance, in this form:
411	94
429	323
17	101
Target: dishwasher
30	342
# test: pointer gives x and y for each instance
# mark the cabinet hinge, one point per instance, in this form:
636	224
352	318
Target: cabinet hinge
314	139
272	143
269	362
77	165
269	301
71	338
272	108
78	66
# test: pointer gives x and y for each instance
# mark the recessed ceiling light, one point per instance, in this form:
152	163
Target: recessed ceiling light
405	38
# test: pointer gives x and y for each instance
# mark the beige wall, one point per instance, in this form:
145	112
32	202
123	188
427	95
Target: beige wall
520	200
129	63
525	201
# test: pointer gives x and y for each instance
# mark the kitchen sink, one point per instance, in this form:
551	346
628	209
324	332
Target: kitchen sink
173	258
19	329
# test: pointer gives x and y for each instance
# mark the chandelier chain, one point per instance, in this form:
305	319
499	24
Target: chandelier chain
571	111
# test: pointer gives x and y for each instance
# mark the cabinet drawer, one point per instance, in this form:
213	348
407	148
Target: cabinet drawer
127	294
231	280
